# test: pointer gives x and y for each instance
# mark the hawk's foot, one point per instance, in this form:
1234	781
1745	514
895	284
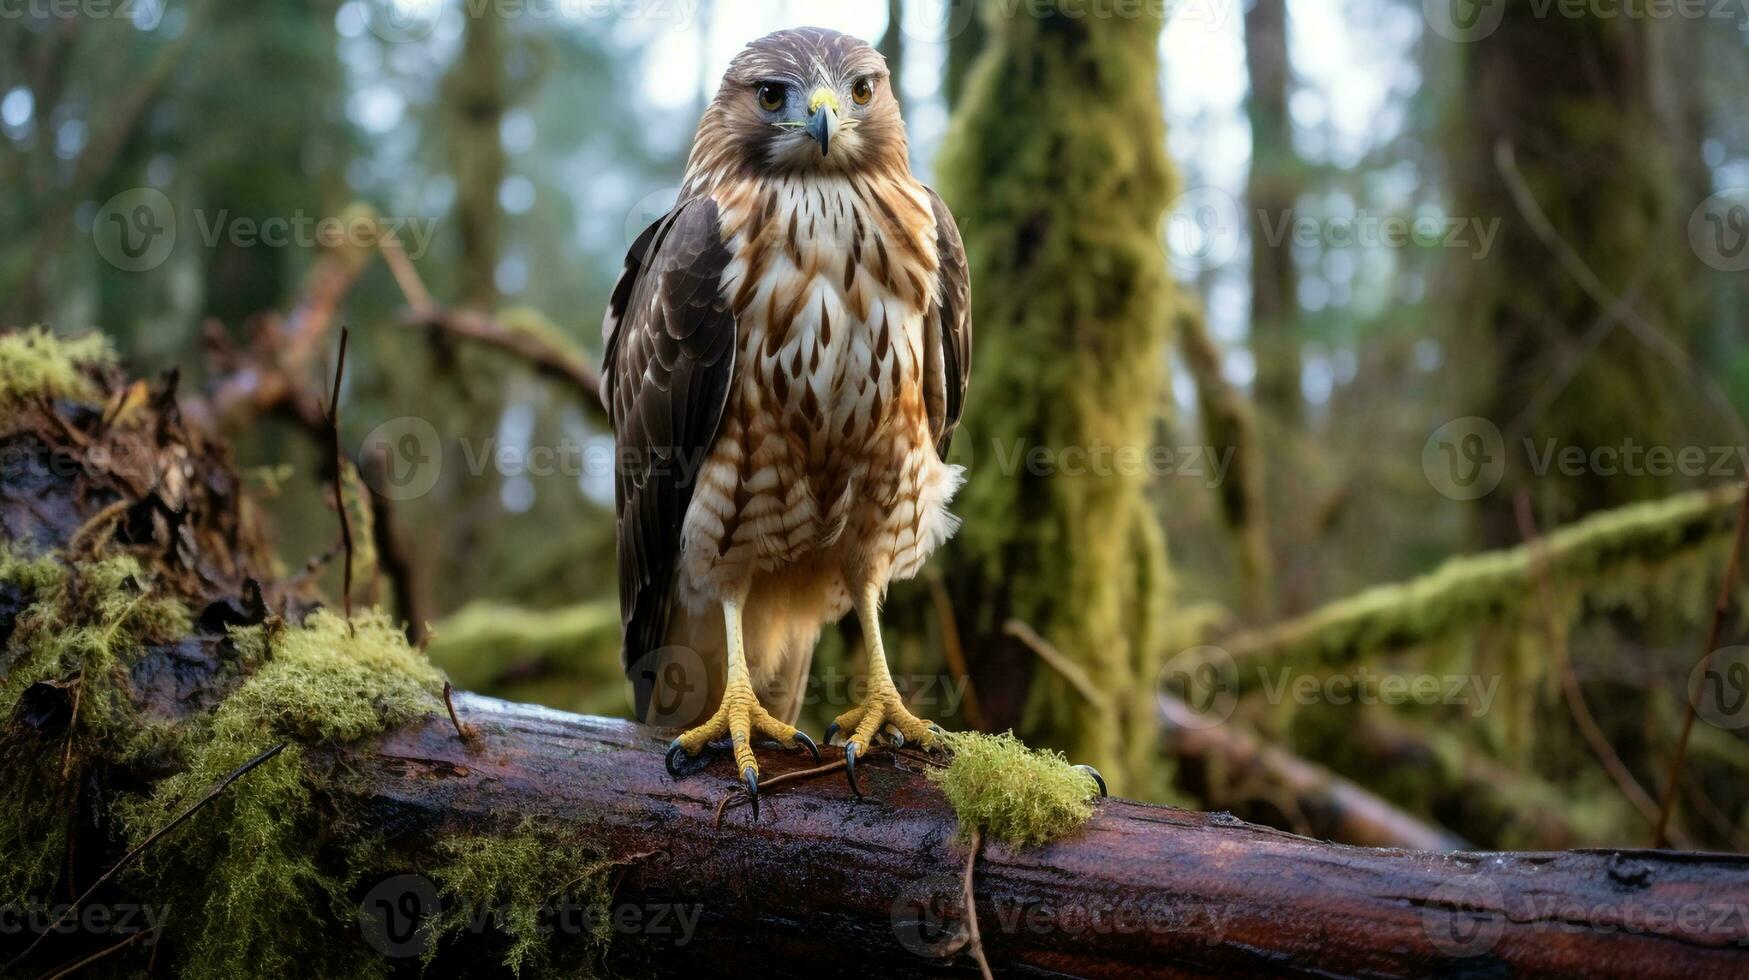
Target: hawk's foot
883	712
739	717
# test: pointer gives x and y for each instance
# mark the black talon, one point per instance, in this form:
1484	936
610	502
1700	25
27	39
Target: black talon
895	736
680	765
1089	770
808	743
831	732
675	754
751	778
850	767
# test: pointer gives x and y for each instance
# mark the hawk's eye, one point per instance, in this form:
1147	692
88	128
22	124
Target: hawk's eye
862	91
771	96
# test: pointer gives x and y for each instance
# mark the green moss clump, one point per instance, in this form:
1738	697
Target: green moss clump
245	871
36	362
87	622
520	878
1015	794
81	627
32	573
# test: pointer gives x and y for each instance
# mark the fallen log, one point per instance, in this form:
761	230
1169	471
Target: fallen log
825	882
1221	764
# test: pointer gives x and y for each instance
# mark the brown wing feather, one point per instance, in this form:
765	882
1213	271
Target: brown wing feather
947	337
670	359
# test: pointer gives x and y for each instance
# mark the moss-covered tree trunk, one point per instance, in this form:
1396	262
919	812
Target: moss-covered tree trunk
1270	194
1574	98
1072	310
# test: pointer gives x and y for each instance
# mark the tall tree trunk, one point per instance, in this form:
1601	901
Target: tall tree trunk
1270	193
477	100
1072	312
1573	96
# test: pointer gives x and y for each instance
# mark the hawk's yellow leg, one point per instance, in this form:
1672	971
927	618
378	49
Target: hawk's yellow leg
739	716
883	707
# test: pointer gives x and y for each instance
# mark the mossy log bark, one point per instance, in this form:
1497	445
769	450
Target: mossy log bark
825	882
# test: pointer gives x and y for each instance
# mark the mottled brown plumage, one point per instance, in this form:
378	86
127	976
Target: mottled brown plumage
787	354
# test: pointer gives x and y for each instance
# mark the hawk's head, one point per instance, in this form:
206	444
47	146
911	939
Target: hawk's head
805	100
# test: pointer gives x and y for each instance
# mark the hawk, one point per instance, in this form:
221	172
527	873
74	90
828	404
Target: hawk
786	360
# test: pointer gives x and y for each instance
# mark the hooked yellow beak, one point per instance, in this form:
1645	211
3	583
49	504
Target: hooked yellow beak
823	117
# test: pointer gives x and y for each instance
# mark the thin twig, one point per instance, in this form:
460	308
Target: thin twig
140	848
954	652
108	513
94	957
467	733
1720	607
1575	698
542	356
1069	669
975	939
72	727
392	558
340	484
406	276
775	781
67	428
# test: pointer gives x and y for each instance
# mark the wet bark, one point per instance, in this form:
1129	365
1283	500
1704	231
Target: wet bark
825	881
